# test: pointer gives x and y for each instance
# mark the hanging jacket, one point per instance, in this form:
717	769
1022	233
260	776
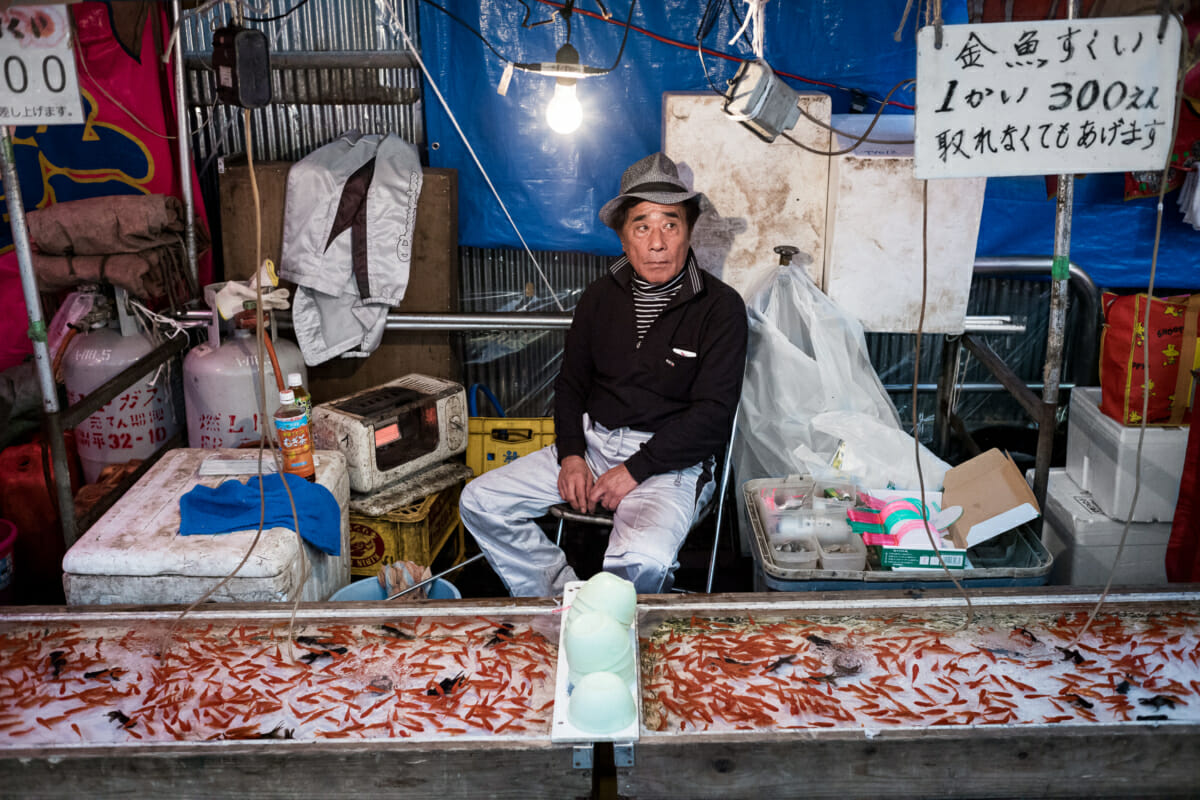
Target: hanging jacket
347	241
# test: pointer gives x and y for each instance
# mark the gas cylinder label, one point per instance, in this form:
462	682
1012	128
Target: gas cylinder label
226	430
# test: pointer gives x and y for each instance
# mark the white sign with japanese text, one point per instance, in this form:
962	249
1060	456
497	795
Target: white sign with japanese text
1045	98
38	81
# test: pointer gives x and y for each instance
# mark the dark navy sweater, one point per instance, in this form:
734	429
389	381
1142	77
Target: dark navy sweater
682	383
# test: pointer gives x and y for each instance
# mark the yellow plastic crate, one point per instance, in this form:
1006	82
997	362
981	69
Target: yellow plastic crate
495	441
416	532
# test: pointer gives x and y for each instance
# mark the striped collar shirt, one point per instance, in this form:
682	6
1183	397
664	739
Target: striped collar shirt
650	299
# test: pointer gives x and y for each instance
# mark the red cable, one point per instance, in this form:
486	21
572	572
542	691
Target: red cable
685	46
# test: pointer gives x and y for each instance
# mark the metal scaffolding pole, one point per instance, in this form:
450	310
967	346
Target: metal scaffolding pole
37	333
185	156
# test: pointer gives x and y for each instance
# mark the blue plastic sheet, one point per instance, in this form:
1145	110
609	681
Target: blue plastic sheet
554	185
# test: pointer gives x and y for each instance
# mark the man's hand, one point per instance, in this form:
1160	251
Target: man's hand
611	487
575	483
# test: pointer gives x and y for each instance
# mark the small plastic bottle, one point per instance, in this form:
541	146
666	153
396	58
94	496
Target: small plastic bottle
295	440
303	398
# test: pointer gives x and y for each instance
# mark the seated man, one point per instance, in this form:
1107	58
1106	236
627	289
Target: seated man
650	380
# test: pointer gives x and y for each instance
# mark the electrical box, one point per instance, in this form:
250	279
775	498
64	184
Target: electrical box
242	66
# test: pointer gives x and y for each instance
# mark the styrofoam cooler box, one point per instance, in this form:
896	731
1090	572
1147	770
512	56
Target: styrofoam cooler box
1084	540
134	553
1102	459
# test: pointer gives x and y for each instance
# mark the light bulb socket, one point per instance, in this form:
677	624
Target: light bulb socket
568	58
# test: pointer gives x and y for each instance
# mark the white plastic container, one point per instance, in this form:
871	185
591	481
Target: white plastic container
134	553
849	553
1102	459
795	552
830	527
1083	540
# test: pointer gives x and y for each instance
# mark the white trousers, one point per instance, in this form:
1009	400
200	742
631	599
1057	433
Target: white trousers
499	508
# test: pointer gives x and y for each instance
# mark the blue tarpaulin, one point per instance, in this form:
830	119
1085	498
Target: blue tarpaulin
553	185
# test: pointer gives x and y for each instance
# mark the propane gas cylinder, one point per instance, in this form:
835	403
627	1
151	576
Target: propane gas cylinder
133	425
222	392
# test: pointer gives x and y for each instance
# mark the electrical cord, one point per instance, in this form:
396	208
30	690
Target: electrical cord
260	376
1137	472
394	22
916	382
828	127
278	17
473	31
86	71
727	57
859	139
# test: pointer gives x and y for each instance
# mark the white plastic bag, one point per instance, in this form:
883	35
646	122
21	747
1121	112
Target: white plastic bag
810	387
871	454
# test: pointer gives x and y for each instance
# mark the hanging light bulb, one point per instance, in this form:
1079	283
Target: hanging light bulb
563	113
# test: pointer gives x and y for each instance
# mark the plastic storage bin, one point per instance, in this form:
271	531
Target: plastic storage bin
1084	540
1015	558
495	441
1102	459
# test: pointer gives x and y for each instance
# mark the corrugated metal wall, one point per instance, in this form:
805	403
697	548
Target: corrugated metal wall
310	106
520	366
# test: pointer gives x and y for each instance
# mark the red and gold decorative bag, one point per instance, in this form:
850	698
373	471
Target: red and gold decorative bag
1168	376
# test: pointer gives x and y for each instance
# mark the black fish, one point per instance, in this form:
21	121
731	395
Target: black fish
779	662
1071	655
107	672
1032	639
729	660
1158	701
500	635
278	732
1080	702
819	641
448	685
309	658
1000	651
1123	687
395	633
1152	717
823	679
58	661
120	719
311	641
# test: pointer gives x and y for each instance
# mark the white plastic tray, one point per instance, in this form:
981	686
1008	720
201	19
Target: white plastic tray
561	729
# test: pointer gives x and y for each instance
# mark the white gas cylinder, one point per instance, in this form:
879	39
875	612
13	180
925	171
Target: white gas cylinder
222	394
134	424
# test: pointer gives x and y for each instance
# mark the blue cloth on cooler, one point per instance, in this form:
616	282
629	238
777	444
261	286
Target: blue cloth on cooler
234	506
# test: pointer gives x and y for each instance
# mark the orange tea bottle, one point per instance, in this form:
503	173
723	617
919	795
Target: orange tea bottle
295	439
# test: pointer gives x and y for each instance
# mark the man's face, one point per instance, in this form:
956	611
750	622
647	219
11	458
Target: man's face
655	238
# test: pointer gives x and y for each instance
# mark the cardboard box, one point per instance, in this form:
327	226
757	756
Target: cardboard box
994	498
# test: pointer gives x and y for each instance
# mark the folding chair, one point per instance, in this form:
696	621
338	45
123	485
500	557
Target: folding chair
603	518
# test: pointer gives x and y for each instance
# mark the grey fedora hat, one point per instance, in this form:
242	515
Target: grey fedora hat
654	178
